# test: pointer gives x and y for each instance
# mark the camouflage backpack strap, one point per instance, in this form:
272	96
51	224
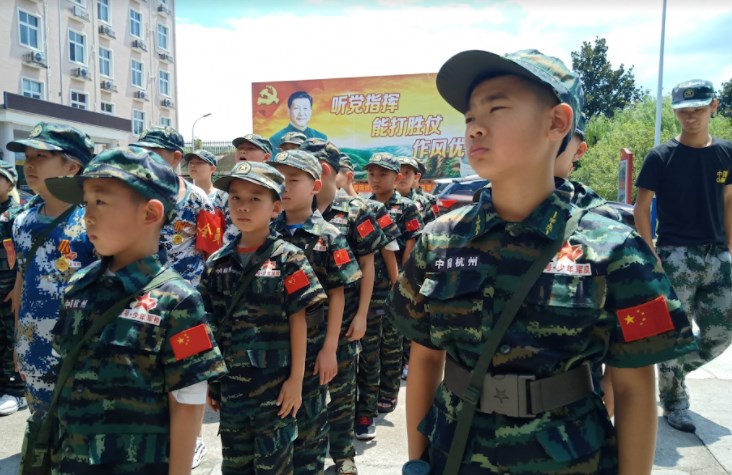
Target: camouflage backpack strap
41	238
471	396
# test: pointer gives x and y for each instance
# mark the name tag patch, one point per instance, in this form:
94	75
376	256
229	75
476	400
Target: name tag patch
268	270
460	262
139	310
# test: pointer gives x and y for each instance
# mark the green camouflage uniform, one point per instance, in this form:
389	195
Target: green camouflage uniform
461	273
353	219
255	341
10	382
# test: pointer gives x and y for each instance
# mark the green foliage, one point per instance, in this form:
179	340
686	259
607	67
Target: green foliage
725	99
632	128
606	89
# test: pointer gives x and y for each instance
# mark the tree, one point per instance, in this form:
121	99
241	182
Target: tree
606	89
725	99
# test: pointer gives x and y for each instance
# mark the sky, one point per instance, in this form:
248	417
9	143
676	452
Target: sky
225	45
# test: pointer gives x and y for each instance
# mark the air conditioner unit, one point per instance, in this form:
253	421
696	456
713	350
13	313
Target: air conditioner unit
107	31
80	12
108	86
81	73
166	103
35	58
141	95
165	57
139	44
163	9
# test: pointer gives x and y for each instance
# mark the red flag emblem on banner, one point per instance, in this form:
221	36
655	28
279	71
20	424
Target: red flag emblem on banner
365	229
436	210
642	321
296	281
385	221
190	342
412	225
208	237
341	257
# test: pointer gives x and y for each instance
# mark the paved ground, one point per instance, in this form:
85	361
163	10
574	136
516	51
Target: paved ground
708	452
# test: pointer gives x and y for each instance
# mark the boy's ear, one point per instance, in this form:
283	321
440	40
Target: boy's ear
581	151
154	212
326	170
561	121
267	156
317	186
213	168
74	167
277	210
177	157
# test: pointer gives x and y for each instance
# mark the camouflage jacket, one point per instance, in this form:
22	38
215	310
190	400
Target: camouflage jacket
426	204
466	266
585	197
8	211
406	215
114	407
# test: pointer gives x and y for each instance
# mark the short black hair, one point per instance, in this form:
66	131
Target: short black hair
299	95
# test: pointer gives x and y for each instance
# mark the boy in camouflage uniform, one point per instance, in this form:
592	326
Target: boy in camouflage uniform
137	390
356	223
11	385
264	335
384	171
408	186
292	141
602	299
252	148
336	267
691	175
51	150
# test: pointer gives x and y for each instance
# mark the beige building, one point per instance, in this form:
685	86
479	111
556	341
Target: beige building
104	66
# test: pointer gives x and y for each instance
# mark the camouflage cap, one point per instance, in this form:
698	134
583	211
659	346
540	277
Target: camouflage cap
386	161
461	73
255	172
299	159
256	140
410	162
693	93
8	171
422	169
57	138
204	155
142	170
345	162
581	126
323	150
160	137
295	138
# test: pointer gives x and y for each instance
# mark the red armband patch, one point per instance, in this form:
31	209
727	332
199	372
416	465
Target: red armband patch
208	232
436	210
296	281
385	221
364	229
645	320
412	225
190	342
341	257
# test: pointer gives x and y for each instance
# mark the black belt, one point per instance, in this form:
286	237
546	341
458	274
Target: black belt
315	317
520	395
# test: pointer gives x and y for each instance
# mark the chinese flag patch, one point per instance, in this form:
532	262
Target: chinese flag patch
646	320
436	210
365	228
385	221
296	281
412	225
10	250
341	257
208	235
190	342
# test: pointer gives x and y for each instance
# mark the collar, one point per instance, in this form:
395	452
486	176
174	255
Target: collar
313	225
132	277
390	202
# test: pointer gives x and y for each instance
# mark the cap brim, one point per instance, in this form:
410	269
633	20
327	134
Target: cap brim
240	140
188	156
20	145
389	169
11	178
224	183
66	188
688	104
459	75
148	145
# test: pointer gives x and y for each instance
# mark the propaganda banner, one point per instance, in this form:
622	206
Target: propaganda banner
401	115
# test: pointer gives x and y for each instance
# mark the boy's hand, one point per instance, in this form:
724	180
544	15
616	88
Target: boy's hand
213	404
357	329
326	364
290	398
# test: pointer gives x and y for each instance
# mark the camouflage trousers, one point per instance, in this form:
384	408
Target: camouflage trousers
311	445
10	382
702	279
369	364
75	468
254	438
342	405
391	361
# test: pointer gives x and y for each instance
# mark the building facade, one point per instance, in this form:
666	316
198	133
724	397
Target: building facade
104	66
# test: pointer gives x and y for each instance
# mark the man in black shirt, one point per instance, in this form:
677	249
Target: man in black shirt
691	175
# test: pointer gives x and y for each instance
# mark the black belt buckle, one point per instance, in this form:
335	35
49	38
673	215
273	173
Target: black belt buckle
507	394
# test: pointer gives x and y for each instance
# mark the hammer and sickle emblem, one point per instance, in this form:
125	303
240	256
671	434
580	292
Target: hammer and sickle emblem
268	96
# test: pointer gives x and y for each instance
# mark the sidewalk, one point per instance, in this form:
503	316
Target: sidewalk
708	452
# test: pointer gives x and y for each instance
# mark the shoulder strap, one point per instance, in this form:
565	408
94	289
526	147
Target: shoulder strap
243	285
472	392
104	319
41	238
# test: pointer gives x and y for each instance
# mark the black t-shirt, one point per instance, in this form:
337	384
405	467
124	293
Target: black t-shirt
689	185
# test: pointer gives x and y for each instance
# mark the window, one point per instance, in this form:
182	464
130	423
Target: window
105	62
138	121
103	10
78	100
137	73
135	23
166	122
29	27
165	83
77	47
163	37
107	108
33	89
